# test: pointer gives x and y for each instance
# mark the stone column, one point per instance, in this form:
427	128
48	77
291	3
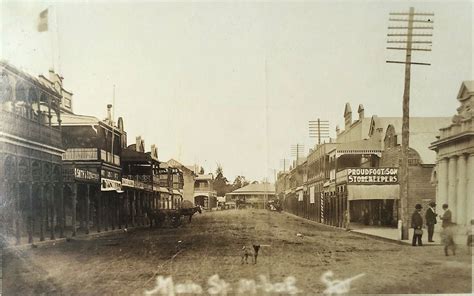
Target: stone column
470	188
461	190
452	185
442	175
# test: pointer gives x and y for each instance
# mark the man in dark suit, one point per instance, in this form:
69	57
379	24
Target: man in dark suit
430	217
417	224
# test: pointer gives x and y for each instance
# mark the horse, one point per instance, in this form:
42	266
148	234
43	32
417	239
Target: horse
157	216
190	211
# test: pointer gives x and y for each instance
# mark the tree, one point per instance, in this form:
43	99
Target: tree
201	171
221	184
239	182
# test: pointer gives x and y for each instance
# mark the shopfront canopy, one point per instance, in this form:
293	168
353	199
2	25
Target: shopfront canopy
371	192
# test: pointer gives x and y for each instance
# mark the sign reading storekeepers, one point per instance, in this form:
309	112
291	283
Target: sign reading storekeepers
372	175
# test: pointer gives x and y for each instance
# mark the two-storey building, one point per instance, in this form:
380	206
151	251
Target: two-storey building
31	200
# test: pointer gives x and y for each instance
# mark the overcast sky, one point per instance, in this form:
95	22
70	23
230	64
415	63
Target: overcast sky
236	82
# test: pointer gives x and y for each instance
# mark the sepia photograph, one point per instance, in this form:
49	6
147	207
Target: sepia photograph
236	147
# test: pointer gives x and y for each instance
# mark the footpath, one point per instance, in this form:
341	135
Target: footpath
393	234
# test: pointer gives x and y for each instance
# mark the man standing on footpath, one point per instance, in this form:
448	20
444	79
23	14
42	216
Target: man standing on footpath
447	235
430	217
417	224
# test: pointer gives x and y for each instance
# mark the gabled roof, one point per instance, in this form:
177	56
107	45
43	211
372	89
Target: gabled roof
174	163
466	87
423	131
261	188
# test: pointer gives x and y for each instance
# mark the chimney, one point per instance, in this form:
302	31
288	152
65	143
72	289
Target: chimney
109	112
361	111
347	116
138	142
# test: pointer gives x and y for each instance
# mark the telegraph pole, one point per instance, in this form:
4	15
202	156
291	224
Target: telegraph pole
318	129
284	163
410	31
296	150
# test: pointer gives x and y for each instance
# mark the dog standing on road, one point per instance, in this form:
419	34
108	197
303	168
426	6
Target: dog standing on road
250	252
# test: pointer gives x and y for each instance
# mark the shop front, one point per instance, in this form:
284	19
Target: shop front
372	194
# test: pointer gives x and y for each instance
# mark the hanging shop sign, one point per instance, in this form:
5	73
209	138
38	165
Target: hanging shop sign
388	175
311	194
300	195
127	182
110	185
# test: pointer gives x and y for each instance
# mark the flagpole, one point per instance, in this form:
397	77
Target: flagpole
112	123
51	37
56	27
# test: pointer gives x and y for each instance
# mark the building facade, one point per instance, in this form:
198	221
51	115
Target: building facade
204	193
454	173
31	184
355	177
254	196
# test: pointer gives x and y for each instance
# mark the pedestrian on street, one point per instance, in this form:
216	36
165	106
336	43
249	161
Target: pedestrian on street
417	224
447	234
469	237
430	218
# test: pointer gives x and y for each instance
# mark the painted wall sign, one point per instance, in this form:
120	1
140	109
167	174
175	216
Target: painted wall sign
110	175
82	174
372	175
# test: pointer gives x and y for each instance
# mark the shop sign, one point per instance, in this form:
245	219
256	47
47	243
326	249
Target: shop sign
127	182
300	195
110	175
311	194
110	185
81	174
372	175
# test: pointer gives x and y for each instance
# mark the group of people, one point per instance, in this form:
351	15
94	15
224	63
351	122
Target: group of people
447	233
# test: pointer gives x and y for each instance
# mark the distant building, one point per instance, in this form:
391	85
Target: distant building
355	178
253	195
189	176
454	174
204	194
140	182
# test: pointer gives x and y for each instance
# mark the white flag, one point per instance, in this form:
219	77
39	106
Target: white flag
43	21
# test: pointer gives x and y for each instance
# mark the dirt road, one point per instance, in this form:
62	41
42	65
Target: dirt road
129	263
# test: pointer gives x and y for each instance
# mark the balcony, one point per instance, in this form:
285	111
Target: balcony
25	128
107	157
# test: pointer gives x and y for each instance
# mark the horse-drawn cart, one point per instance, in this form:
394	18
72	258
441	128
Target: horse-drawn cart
173	216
